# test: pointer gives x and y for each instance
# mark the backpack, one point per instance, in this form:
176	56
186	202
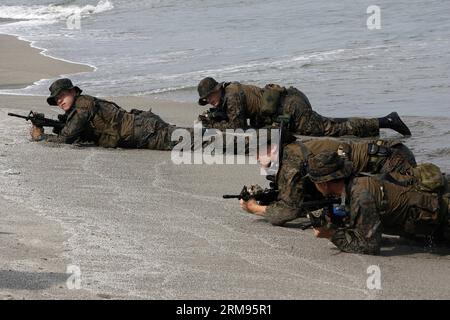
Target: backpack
429	177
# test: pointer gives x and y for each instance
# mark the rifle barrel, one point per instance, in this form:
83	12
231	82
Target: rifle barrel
231	196
306	225
17	115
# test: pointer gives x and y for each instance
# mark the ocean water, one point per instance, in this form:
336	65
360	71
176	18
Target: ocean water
165	47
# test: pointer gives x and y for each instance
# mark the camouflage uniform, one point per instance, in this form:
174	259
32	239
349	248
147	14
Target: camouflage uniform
108	125
294	188
377	205
309	123
241	102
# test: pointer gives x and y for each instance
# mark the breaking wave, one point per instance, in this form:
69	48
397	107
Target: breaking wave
52	13
441	152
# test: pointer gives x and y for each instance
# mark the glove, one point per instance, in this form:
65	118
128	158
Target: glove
36	133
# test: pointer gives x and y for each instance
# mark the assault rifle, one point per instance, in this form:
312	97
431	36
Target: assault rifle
319	210
263	196
213	114
39	120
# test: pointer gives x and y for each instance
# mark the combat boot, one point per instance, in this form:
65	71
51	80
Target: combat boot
393	121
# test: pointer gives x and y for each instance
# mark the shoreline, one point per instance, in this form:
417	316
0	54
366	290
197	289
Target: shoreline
22	64
43	51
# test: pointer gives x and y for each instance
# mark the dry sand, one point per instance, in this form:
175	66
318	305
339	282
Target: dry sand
139	226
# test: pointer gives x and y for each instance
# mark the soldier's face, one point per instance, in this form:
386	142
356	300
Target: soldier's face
269	156
331	188
322	187
214	98
65	99
264	160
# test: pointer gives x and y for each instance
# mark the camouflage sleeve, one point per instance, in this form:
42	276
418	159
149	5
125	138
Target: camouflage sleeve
235	113
76	123
365	234
290	195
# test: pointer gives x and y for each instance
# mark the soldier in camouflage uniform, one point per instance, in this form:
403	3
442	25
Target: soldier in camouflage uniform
234	103
104	122
377	156
416	205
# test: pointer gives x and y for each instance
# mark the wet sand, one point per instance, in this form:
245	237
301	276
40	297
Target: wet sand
139	226
21	64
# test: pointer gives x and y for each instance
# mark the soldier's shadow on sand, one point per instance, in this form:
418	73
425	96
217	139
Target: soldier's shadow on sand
71	146
297	223
392	246
19	280
401	247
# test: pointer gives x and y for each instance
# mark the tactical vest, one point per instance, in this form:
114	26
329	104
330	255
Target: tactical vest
259	105
112	125
377	157
271	99
428	198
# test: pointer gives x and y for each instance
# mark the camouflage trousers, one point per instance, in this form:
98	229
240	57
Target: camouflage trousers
151	132
307	122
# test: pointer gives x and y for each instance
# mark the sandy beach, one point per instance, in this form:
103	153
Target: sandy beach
138	226
21	64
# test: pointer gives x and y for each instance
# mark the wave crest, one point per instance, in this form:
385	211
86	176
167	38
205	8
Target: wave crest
52	13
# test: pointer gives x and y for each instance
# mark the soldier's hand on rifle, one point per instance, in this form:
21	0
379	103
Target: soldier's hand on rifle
36	132
323	232
206	122
204	116
251	206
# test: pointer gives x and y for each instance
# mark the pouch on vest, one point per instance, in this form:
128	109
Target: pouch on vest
109	130
270	99
344	150
429	177
378	150
109	139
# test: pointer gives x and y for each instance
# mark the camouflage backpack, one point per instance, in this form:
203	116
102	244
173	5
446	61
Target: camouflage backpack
429	177
271	99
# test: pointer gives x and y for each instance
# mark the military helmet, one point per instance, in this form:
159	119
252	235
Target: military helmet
327	166
205	88
59	85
